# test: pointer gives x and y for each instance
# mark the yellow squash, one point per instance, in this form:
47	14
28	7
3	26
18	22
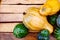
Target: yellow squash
59	2
54	5
36	22
51	7
45	10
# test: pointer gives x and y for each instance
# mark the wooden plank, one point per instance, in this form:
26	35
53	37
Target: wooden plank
11	17
30	36
15	8
23	1
7	27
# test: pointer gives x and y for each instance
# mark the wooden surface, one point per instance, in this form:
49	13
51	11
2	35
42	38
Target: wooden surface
7	27
11	17
30	36
15	8
23	1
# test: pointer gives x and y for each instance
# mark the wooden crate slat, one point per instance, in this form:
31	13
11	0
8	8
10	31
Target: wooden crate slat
23	1
11	17
7	27
15	8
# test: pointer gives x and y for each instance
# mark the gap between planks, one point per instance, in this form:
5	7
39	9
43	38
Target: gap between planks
13	13
7	22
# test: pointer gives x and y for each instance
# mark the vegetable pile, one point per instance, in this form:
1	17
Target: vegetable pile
44	20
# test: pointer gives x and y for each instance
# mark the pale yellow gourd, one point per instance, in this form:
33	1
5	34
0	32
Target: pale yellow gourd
36	22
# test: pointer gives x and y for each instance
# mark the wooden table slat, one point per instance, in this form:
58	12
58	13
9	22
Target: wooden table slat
15	8
23	1
7	27
11	17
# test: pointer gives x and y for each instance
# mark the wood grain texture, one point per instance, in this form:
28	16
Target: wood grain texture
23	1
15	8
11	17
30	36
7	27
